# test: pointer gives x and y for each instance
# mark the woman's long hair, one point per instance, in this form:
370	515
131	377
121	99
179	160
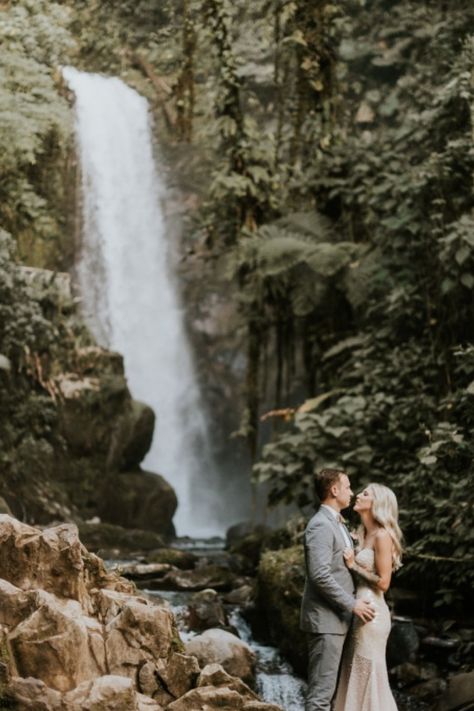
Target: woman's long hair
385	512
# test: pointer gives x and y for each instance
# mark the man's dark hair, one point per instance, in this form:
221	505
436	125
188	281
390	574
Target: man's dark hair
323	481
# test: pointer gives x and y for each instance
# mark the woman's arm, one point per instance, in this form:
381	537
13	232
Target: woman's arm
383	559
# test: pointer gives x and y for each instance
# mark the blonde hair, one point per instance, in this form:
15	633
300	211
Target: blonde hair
385	512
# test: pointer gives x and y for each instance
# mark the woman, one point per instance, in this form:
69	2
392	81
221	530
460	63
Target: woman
363	683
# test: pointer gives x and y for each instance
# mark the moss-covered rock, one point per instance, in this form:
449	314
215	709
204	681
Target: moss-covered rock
280	590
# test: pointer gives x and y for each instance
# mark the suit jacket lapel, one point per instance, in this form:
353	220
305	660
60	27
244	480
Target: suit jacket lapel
336	526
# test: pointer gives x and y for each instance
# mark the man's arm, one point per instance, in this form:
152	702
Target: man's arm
319	554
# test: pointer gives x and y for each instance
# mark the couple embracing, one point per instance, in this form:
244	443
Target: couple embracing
343	610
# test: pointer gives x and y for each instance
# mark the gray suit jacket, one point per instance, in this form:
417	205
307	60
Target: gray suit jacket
329	590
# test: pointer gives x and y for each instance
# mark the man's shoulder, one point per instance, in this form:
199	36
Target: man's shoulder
320	518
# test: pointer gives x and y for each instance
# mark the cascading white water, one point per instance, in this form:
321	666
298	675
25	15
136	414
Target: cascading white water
127	286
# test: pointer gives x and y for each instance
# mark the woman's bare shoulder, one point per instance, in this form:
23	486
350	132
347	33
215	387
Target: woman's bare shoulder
382	537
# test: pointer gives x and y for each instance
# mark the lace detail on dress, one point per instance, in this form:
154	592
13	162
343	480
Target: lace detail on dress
363	683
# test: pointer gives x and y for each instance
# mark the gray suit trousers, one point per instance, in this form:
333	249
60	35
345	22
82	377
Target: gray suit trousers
325	651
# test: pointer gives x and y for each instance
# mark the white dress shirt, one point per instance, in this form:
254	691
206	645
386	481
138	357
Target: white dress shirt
338	518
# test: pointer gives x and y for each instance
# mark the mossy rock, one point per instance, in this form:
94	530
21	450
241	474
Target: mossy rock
281	576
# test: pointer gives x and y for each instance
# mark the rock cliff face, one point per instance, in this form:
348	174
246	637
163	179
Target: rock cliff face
74	637
71	436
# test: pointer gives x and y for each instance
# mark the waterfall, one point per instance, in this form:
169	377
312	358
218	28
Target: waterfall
129	292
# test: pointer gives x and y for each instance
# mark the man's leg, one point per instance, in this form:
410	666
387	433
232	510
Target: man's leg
325	651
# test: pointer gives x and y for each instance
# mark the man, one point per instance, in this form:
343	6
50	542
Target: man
328	599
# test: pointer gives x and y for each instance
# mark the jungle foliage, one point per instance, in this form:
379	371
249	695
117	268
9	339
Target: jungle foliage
335	150
354	253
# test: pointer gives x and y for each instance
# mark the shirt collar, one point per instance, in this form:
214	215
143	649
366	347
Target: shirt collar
335	513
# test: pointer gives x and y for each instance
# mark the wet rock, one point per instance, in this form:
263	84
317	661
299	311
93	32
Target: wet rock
139	500
403	642
459	694
261	706
206	611
184	560
208	576
218	646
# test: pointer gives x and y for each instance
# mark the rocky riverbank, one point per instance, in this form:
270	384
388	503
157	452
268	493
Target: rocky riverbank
75	637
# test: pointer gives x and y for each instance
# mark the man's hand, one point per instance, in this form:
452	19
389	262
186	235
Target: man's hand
364	610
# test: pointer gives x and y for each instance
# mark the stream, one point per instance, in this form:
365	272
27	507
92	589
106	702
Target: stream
275	680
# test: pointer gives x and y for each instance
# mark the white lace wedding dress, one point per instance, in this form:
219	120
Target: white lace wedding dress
363	682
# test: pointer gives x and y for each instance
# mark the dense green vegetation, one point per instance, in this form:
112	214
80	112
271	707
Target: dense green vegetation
334	147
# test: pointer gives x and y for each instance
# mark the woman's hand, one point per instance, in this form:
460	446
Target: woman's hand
349	557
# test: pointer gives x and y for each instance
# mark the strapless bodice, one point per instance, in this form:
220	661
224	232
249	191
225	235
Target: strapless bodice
366	558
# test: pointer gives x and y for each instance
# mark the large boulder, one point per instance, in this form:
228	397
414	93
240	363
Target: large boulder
216	646
139	500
